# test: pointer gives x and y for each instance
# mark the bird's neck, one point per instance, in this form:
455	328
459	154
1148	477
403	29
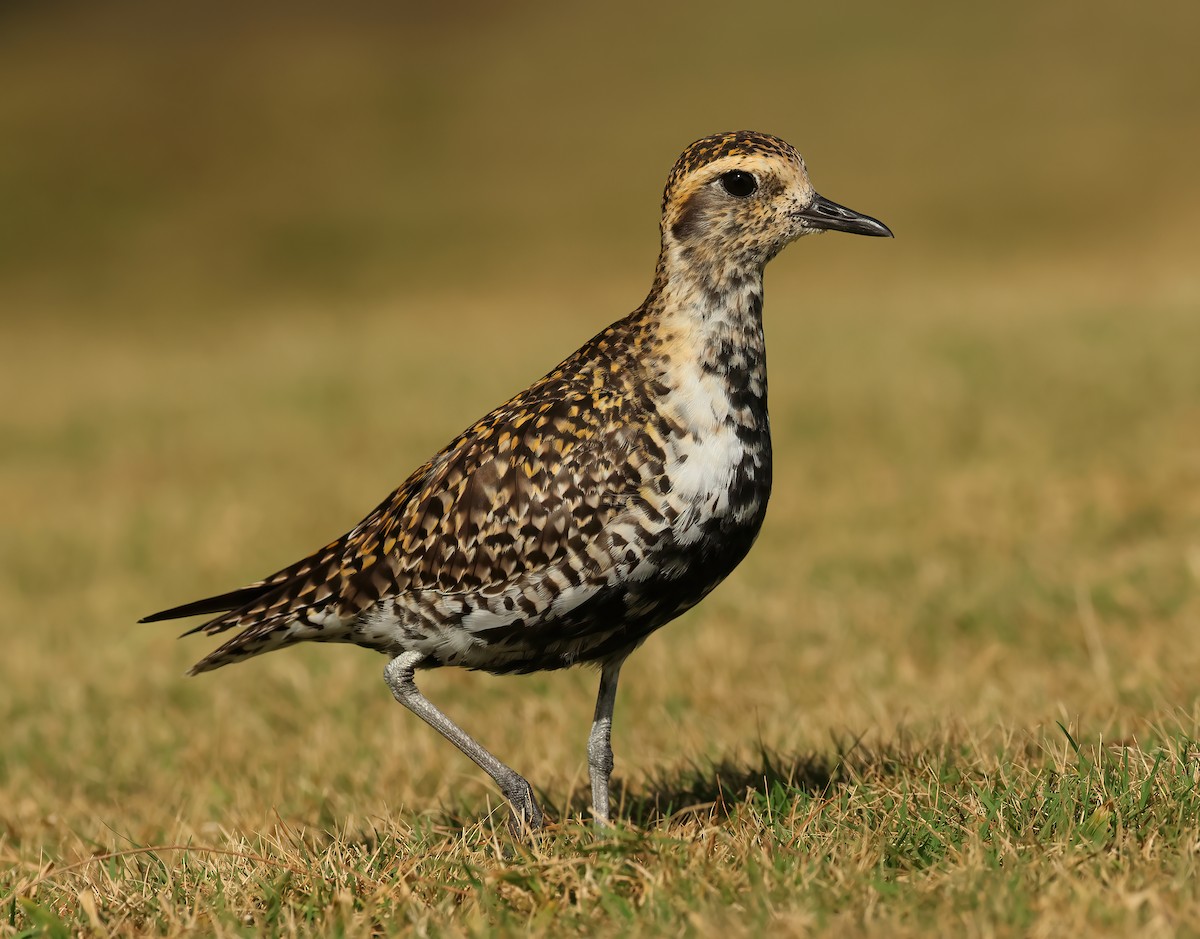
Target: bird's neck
708	323
715	308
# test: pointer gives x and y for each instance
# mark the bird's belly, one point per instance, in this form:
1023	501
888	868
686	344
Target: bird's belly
676	542
544	625
673	542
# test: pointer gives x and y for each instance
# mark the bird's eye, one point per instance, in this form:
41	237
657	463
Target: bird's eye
739	183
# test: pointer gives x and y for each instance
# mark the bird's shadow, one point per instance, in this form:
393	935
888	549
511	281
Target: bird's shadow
715	788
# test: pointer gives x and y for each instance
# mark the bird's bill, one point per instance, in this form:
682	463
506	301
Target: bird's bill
825	215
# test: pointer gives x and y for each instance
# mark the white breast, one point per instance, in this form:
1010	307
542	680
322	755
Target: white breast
701	461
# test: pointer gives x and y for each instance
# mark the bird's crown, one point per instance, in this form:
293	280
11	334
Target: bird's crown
726	144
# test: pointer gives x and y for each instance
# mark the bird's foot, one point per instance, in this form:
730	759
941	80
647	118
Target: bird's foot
525	815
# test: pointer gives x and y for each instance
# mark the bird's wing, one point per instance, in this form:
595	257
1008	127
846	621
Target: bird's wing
527	487
523	489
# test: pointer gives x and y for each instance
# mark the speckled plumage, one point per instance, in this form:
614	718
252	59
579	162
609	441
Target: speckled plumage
594	506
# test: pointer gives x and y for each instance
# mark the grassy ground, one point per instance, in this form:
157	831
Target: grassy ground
953	690
954	686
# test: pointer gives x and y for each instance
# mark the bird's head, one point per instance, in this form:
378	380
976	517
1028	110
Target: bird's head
733	201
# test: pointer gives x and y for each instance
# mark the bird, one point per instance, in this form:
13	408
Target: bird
590	509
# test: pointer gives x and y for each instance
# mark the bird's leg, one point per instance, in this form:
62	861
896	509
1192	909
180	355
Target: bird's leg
600	755
526	815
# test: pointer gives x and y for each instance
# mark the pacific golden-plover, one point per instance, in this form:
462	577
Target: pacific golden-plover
593	507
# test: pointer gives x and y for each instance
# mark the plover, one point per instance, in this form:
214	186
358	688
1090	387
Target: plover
591	508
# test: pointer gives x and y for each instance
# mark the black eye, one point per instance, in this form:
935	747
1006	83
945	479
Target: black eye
739	183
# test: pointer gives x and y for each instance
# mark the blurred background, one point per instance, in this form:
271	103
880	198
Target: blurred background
257	261
174	161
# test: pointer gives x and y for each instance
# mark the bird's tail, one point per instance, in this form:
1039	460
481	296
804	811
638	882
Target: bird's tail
292	605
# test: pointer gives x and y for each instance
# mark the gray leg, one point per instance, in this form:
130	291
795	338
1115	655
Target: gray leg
600	755
398	673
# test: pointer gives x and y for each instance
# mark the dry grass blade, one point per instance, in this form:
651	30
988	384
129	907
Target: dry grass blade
26	888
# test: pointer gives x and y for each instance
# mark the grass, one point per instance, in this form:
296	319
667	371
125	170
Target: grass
1020	834
953	689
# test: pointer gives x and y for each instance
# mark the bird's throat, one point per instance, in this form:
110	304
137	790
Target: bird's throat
713	351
